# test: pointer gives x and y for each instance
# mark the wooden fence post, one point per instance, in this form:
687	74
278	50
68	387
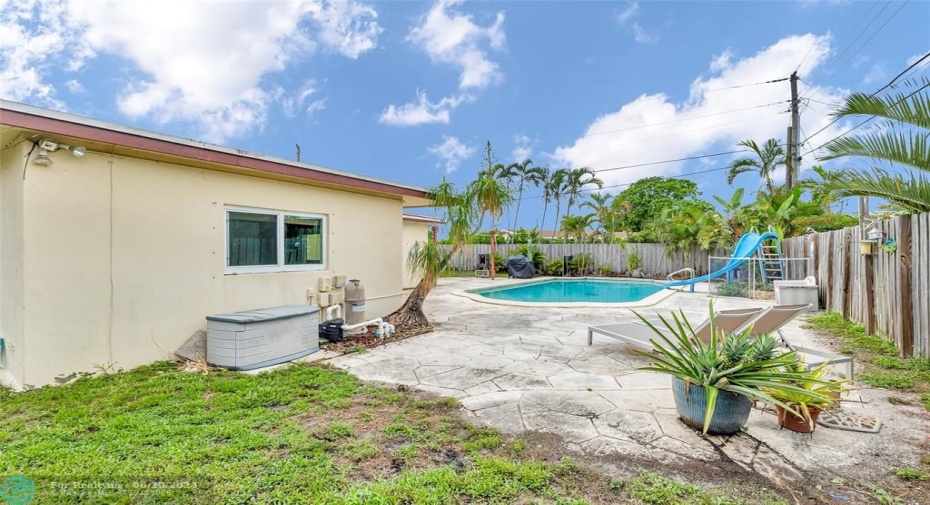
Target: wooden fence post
904	254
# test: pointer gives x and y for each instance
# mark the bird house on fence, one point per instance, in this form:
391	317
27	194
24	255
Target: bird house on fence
872	241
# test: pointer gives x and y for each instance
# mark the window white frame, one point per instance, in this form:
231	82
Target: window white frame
280	266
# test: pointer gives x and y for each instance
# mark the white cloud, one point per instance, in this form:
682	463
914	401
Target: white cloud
451	152
858	61
653	128
74	86
348	27
34	37
202	63
422	111
300	101
875	74
640	35
452	38
914	59
628	12
523	148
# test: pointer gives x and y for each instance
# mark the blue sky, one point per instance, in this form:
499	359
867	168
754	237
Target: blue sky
411	91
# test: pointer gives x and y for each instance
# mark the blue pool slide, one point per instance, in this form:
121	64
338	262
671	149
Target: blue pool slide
746	247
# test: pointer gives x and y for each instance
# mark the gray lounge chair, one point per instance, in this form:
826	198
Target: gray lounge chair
774	319
763	320
639	335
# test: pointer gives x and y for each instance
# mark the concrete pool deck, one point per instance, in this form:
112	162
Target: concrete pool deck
529	370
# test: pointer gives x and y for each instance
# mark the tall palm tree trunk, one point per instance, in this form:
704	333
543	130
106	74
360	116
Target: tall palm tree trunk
516	214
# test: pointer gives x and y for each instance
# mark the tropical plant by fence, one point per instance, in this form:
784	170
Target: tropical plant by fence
652	258
888	292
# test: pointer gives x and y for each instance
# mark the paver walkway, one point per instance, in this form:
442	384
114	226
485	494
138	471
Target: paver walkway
527	369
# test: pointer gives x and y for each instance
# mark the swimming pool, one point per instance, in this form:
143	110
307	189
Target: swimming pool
573	292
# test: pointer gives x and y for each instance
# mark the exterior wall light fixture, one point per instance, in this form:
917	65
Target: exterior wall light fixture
49	146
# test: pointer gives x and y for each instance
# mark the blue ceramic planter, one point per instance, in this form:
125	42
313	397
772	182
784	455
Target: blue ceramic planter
729	417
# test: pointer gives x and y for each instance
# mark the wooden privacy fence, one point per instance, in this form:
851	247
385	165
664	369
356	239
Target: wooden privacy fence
887	292
654	260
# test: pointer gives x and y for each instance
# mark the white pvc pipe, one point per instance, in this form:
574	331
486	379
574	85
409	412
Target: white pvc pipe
328	312
377	321
384	329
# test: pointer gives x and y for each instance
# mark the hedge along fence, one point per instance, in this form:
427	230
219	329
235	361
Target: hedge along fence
654	260
887	292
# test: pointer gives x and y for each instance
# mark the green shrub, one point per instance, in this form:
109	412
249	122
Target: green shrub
633	261
732	288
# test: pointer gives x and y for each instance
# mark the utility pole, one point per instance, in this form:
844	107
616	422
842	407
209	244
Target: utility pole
789	159
298	152
793	165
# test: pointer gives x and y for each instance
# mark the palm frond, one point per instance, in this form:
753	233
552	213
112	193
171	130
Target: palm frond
907	108
911	193
911	148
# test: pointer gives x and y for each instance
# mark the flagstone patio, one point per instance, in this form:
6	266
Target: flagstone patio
529	370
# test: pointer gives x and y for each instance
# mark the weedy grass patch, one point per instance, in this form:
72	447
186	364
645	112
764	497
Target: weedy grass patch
883	368
299	434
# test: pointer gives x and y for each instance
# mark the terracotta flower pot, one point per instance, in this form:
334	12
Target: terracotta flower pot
797	424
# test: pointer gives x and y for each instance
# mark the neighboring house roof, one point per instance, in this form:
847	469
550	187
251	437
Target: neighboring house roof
102	136
560	234
421	218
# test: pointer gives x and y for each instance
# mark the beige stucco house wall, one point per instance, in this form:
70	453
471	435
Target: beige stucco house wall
416	228
115	258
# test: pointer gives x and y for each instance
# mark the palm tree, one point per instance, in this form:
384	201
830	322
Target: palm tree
491	194
576	225
769	157
463	213
821	190
523	173
558	186
600	204
429	260
547	196
575	183
904	141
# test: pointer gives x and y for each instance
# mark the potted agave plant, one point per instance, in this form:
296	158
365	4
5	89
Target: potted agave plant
819	395
716	383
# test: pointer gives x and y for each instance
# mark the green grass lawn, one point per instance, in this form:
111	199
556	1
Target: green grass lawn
300	434
882	366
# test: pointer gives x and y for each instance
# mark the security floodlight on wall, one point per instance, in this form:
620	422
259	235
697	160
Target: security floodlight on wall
42	158
49	146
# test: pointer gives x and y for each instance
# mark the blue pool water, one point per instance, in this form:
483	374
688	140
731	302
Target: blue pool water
573	290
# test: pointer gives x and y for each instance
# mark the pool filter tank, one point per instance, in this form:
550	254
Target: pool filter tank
355	302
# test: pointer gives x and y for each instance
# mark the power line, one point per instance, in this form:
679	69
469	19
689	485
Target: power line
679	176
880	28
817	101
747	85
612	146
924	57
847	132
851	44
886	86
683	119
836	58
671	161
